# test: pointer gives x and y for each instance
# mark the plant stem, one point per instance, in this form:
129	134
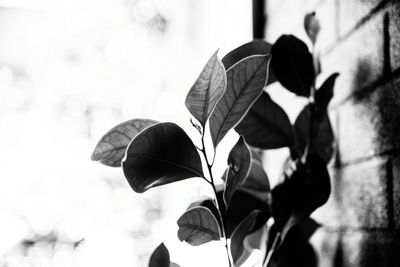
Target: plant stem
211	182
271	251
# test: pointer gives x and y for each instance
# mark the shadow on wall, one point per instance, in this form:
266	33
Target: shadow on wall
380	103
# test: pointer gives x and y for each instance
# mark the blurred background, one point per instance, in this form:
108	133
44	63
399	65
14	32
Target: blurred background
69	72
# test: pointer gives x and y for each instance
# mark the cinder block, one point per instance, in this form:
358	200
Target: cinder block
358	58
394	32
287	17
358	198
352	12
355	248
369	123
396	191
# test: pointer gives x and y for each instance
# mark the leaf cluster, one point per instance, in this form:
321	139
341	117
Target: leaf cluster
229	95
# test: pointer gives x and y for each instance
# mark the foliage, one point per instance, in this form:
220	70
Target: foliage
229	94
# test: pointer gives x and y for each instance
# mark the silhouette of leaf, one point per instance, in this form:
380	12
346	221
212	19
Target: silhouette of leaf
110	150
292	64
305	188
245	82
325	93
266	125
161	154
255	47
207	90
239	160
322	139
198	226
240	233
160	257
312	26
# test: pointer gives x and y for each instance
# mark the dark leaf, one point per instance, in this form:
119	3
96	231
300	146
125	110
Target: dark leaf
198	226
303	189
240	233
239	160
255	47
242	204
160	257
292	64
245	82
325	93
322	139
257	183
161	154
266	125
110	150
312	26
207	90
295	251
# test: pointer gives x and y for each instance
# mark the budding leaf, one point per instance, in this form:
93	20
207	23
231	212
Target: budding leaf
312	26
198	226
245	82
110	150
292	64
207	90
161	154
239	161
160	257
266	125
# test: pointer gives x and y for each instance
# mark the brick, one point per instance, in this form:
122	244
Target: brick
354	248
353	11
394	32
358	58
369	123
396	191
358	197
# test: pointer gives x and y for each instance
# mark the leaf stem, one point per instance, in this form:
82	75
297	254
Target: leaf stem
272	250
311	104
211	182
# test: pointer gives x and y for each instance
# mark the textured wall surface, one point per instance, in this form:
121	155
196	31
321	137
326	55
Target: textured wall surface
361	40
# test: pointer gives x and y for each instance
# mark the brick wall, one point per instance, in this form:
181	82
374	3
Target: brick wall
361	40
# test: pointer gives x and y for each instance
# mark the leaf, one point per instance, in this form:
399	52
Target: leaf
160	257
161	154
110	150
173	264
255	47
240	233
245	82
257	183
325	93
207	90
295	250
242	204
312	26
239	160
304	189
266	125
292	64
322	140
198	226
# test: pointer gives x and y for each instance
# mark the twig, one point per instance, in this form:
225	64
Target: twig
211	182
